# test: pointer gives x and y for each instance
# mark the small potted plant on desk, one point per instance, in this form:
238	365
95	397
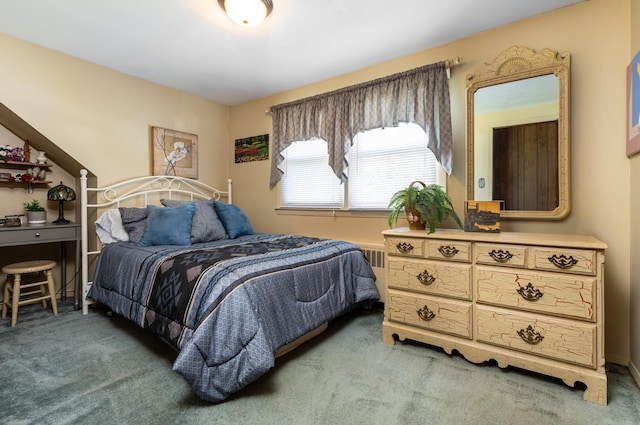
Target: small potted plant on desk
36	213
427	205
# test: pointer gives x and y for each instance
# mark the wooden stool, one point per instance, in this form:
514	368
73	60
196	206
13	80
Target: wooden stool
42	289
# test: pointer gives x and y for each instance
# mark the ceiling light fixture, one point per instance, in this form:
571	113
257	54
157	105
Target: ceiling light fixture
247	13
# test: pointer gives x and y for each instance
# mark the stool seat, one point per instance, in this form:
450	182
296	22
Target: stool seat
30	289
28	266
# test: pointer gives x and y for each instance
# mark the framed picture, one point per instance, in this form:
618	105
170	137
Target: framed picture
633	106
175	153
251	149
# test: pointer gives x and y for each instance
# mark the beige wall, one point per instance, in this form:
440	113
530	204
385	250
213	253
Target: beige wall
597	36
634	364
102	119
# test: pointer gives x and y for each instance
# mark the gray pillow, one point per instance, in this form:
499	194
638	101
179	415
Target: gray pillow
205	225
134	221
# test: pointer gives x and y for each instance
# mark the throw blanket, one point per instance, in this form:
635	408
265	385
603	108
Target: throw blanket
229	305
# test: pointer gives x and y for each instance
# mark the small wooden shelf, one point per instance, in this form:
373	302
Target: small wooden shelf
24	166
18	181
21	165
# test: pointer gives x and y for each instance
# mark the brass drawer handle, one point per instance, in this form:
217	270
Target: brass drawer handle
500	256
562	261
425	314
530	293
448	251
530	336
426	278
404	247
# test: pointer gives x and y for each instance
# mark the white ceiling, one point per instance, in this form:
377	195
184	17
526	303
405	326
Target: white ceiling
192	46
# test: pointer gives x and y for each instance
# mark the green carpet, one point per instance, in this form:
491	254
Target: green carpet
95	369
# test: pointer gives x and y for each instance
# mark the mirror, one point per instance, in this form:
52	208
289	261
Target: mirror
518	133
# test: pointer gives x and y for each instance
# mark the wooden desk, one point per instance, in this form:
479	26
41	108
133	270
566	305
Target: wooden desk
49	233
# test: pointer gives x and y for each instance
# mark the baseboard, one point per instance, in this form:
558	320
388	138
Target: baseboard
634	372
620	360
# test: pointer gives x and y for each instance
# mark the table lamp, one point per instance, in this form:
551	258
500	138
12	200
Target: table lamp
62	194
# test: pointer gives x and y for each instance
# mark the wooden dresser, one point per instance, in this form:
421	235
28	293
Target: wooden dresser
533	301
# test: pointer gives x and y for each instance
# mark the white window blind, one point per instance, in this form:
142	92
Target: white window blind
308	181
381	162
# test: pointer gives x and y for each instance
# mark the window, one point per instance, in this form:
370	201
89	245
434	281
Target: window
308	181
381	162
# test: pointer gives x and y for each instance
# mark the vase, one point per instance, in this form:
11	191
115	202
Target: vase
42	157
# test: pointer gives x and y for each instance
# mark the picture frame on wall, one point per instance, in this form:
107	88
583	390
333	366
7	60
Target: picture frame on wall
633	106
250	149
175	153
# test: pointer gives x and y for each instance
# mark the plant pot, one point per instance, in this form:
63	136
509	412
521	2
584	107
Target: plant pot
414	219
413	215
36	217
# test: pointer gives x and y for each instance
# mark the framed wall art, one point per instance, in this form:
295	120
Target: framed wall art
633	106
249	149
175	153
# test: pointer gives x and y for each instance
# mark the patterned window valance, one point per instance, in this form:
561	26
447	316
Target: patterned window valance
419	96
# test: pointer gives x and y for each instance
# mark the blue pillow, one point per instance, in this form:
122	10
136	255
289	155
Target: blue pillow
168	226
234	220
205	226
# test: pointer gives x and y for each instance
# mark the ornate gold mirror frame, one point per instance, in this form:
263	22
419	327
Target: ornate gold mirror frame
515	65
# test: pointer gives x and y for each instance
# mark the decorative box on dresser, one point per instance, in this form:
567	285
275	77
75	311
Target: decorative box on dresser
533	301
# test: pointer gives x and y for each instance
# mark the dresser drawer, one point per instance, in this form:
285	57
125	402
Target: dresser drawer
430	277
551	293
433	313
501	255
407	247
564	260
559	339
440	249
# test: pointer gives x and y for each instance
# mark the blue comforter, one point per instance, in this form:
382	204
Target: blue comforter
229	305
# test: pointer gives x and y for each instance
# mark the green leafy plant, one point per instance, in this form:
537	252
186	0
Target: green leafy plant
33	206
431	203
435	206
404	200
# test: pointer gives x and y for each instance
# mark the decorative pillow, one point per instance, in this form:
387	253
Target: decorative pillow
109	227
168	226
133	220
205	226
234	219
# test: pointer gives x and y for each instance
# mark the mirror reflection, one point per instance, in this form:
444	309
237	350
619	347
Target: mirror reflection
518	133
516	143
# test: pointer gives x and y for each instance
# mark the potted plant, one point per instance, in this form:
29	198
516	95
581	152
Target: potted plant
405	200
36	214
422	205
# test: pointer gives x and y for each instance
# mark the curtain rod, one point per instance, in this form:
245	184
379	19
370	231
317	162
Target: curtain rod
448	63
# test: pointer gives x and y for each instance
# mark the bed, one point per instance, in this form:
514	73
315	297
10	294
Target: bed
177	260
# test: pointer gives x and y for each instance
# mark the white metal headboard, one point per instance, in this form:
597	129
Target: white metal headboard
134	191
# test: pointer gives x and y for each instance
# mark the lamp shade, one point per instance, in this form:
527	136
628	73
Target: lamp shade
61	193
247	13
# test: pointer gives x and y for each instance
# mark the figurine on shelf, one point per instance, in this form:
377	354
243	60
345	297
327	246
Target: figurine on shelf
42	157
26	150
